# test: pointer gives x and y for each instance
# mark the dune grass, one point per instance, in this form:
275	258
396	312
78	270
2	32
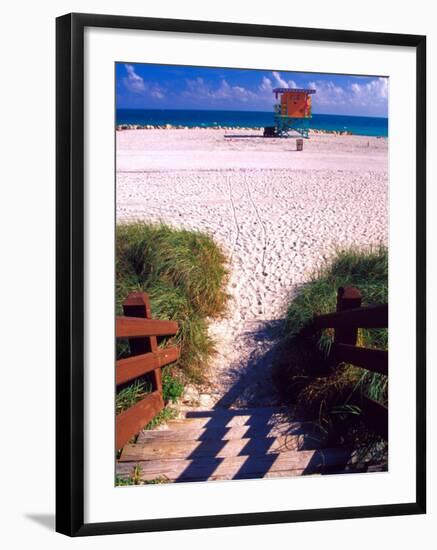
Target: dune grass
332	393
184	273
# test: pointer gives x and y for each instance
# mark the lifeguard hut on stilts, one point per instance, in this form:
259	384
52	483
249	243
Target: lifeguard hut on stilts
292	112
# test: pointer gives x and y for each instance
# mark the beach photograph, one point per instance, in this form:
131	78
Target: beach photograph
251	256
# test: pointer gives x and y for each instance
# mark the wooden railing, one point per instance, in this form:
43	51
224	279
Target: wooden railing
141	331
346	321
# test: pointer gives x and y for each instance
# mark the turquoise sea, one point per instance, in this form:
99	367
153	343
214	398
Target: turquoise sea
359	125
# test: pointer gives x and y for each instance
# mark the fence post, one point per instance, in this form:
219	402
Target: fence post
347	298
137	304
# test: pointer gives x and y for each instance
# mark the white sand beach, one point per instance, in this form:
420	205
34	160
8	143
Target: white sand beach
277	213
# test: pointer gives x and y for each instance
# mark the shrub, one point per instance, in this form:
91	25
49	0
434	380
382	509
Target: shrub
332	393
184	273
172	389
172	385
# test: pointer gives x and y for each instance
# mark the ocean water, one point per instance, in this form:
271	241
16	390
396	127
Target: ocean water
359	125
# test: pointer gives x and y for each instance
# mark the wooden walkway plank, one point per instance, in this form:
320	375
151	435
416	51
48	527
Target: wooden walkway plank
246	411
183	433
221	444
203	469
158	449
226	418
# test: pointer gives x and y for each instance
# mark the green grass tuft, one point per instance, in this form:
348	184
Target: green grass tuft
332	393
367	270
135	478
163	416
184	273
129	395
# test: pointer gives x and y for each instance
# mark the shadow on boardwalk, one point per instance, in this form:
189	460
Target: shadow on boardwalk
260	427
251	376
248	434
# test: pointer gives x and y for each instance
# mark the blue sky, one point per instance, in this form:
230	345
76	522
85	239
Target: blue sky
143	86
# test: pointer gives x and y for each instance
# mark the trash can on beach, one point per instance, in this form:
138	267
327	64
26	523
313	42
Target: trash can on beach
299	145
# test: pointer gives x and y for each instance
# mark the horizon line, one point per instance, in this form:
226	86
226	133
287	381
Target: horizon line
240	111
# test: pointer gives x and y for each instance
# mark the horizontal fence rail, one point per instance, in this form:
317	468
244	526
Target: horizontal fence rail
145	358
137	365
135	327
131	421
375	360
346	321
364	317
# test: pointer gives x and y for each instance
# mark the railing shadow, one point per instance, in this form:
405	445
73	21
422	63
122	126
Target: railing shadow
260	429
252	384
324	462
255	454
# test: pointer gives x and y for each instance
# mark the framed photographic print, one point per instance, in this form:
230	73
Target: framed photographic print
240	274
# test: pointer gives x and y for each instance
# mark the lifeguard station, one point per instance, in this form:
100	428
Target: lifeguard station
292	112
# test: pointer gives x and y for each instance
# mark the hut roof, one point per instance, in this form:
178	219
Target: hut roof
299	90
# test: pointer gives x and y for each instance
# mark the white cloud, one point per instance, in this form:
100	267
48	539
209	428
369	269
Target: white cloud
265	89
225	92
370	96
327	92
283	83
353	96
199	90
136	84
266	85
375	89
157	93
133	81
279	80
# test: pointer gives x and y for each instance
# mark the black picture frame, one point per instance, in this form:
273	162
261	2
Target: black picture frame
70	273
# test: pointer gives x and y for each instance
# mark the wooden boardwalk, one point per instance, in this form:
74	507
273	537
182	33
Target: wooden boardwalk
219	444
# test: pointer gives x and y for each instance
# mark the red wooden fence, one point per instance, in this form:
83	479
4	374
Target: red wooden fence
346	321
141	331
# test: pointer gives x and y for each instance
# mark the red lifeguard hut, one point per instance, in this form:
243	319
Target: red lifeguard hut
292	113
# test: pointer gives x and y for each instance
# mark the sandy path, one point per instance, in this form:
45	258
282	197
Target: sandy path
277	213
